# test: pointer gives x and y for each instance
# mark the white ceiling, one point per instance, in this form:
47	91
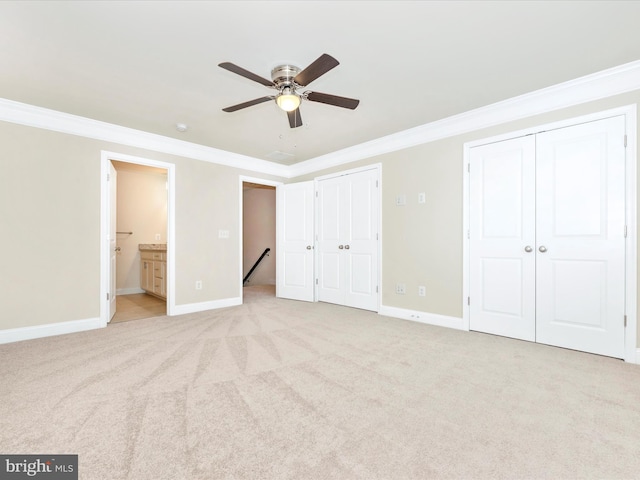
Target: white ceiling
149	65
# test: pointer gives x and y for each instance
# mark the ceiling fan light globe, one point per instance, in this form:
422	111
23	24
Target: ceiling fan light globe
288	102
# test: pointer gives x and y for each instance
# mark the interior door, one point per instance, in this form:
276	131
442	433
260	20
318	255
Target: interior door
294	248
113	189
332	200
502	238
361	240
580	233
348	240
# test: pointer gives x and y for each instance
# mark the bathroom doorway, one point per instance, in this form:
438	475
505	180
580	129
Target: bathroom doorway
138	230
141	241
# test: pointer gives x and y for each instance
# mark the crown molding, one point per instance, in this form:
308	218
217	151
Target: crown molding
33	116
607	83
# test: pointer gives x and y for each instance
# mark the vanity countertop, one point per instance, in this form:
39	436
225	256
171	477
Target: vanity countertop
156	247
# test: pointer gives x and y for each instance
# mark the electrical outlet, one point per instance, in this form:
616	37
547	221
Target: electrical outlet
422	291
198	284
401	288
223	233
422	198
401	200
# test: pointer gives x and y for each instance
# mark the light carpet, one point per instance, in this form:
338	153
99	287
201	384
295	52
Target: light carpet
278	389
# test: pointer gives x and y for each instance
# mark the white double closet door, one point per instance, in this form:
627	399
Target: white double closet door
347	240
547	237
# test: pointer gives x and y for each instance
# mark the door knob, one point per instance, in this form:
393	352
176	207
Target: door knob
340	247
117	249
542	249
528	249
346	247
308	247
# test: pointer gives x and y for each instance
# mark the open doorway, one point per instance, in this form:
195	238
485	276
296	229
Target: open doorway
141	241
259	238
135	229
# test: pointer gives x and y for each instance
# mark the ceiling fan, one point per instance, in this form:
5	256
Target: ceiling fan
287	80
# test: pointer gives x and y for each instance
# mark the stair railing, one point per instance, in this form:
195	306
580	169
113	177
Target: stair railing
264	254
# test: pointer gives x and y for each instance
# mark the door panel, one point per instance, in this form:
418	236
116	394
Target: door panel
294	250
508	300
331	234
579	289
580	224
502	214
113	191
295	271
362	231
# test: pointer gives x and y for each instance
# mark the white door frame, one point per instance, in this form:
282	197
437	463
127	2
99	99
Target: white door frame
105	213
378	168
258	181
631	350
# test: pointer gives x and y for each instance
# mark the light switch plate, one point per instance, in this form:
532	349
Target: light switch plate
401	200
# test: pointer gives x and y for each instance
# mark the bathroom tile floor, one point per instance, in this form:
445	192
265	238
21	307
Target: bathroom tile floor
138	306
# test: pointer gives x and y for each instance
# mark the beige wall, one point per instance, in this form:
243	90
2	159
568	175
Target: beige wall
50	204
50	224
422	244
141	209
258	233
50	221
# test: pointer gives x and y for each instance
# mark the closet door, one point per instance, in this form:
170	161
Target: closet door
580	237
360	241
348	240
332	200
502	238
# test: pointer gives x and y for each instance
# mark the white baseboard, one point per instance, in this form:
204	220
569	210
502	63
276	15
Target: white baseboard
128	291
422	317
201	307
49	330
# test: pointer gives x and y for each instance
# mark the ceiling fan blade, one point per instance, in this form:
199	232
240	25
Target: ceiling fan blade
250	103
295	120
246	73
322	65
335	100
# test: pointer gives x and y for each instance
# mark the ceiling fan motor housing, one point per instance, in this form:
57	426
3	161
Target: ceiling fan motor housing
283	75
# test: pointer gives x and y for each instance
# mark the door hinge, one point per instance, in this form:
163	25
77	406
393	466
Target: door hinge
316	281
625	231
107	295
468	300
376	289
108	177
625	141
376	183
316	194
469	234
468	168
625	320
376	236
